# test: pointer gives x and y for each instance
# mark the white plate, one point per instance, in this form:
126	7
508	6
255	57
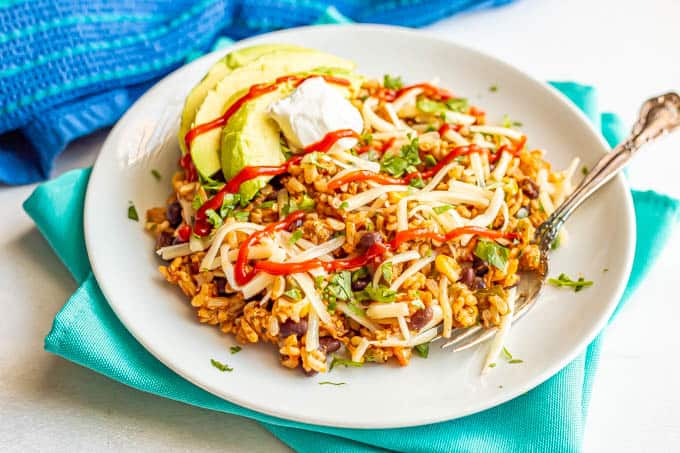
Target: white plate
445	386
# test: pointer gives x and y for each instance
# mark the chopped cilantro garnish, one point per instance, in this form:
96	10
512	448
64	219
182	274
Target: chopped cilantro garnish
241	216
605	270
405	161
386	269
430	128
493	88
344	205
392	82
209	184
492	365
378	293
331	306
516	361
427	105
229	204
235	349
293	293
197	202
565	281
307	203
493	253
267	204
156	174
584	170
423	350
507	122
430	161
345	362
442	209
318	281
331	383
417	182
366	138
297	234
132	212
214	218
372	155
220	366
507	353
339	287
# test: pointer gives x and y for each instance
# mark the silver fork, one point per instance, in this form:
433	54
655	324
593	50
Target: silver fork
658	116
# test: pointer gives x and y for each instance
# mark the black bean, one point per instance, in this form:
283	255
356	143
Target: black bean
174	214
468	276
479	266
291	327
295	225
367	240
329	344
220	283
529	188
276	183
420	318
478	283
165	239
360	283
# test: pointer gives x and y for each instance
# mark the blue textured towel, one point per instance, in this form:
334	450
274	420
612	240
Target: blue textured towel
70	67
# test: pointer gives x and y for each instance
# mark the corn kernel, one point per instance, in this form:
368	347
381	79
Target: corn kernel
448	266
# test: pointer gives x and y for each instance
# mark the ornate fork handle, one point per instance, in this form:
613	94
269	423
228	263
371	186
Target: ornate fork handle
658	116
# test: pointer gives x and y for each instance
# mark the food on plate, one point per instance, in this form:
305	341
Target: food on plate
344	219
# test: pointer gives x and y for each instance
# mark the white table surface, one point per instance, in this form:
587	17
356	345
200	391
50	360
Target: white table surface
628	48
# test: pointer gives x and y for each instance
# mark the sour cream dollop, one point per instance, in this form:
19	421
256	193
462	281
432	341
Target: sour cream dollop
314	109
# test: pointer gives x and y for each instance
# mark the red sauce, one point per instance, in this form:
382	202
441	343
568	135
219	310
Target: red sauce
447	127
183	233
201	225
272	268
240	274
374	251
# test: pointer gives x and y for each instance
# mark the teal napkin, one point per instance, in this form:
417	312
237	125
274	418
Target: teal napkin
549	417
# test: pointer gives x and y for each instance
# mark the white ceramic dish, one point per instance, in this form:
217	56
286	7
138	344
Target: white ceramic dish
445	386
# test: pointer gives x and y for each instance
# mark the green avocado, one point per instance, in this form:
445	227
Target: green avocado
266	68
252	137
216	73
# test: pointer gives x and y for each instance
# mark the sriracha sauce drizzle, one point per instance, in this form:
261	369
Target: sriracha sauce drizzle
201	225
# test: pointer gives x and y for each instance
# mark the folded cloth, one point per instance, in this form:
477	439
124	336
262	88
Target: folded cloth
71	67
550	417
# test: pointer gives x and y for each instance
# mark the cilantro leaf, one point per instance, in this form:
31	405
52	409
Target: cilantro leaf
392	82
297	234
331	383
132	213
565	281
293	293
423	350
493	253
214	218
378	293
156	174
386	269
405	161
220	366
344	362
442	209
235	349
339	287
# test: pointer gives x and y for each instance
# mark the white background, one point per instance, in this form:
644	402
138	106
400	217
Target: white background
627	48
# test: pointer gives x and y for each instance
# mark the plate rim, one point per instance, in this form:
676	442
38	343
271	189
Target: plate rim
619	181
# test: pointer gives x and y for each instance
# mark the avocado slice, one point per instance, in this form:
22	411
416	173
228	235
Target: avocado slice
252	137
216	73
205	147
